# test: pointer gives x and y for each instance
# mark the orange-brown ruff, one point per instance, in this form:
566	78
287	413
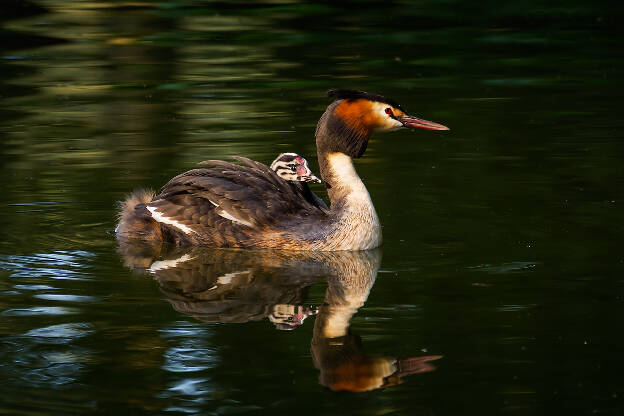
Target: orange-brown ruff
249	205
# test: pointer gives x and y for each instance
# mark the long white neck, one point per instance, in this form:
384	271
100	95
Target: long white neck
345	182
357	226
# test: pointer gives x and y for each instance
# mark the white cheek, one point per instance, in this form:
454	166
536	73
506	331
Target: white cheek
388	123
393	124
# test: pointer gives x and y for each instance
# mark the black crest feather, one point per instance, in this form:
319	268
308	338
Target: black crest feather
340	94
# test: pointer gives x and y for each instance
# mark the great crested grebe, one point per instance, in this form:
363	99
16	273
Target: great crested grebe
250	206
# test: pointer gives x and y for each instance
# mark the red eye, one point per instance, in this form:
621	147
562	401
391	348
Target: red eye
388	111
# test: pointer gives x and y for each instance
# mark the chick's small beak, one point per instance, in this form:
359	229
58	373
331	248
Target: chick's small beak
417	123
311	178
305	175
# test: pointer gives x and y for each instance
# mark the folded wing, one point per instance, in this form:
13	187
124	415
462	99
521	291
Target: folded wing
227	197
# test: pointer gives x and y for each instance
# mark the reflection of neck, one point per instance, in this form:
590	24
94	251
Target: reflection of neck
347	291
337	320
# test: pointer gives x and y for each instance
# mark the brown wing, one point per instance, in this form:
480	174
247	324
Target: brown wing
228	197
311	196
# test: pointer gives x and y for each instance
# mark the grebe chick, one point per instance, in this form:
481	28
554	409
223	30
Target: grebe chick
249	205
292	167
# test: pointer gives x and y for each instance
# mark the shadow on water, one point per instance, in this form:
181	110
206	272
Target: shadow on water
238	286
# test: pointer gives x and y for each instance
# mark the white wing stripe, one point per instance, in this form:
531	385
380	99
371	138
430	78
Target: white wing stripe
228	216
158	216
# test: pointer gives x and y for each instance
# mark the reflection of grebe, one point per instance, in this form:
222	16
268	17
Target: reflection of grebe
338	353
229	285
249	205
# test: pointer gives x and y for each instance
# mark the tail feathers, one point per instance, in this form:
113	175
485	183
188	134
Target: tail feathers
135	221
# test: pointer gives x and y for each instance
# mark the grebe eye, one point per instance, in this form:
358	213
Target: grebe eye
388	111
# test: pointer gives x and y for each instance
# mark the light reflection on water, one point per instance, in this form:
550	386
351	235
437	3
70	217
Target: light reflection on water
64	265
61	332
189	358
192	351
65	298
47	356
40	310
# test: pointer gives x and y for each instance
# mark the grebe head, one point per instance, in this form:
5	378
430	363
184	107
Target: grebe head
292	167
355	115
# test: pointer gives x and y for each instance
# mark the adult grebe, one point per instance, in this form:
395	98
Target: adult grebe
249	205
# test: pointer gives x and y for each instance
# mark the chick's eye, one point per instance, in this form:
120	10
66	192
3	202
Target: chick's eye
388	111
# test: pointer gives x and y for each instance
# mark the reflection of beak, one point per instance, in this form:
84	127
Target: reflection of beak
408	366
288	317
416	123
303	313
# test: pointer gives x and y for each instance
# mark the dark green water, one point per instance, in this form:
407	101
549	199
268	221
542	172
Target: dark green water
502	238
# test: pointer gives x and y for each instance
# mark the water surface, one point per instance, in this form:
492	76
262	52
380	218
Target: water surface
498	289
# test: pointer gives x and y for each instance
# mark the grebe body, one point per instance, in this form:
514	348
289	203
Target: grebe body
250	205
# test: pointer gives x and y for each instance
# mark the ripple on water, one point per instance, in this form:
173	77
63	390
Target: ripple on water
67	265
66	298
187	360
34	287
189	393
191	387
46	356
191	350
40	310
183	329
514	266
51	368
63	332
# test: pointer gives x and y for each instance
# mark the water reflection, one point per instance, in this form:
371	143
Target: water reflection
336	351
230	285
235	286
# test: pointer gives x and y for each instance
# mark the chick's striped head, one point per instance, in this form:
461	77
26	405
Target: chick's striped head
292	167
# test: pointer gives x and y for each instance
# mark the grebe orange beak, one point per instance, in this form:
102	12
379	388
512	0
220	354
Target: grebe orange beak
417	123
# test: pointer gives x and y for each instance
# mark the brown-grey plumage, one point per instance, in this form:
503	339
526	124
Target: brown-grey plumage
220	204
249	205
